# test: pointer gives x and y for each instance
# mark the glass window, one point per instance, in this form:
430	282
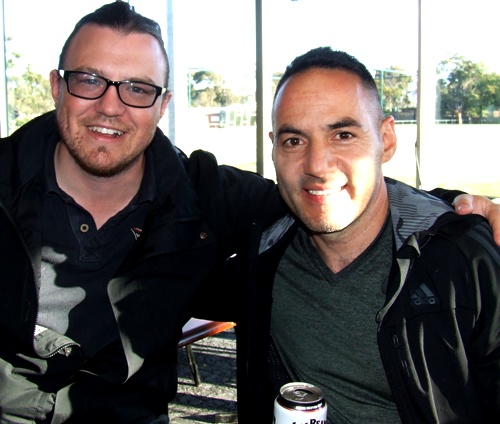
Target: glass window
212	55
212	49
462	151
381	34
35	32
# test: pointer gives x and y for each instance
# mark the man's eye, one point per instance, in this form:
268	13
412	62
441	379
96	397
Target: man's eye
344	135
89	81
137	88
292	142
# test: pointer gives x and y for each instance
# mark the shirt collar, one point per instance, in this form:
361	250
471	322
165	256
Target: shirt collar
147	190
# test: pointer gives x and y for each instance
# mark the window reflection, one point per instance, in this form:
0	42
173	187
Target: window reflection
33	43
467	131
213	61
212	48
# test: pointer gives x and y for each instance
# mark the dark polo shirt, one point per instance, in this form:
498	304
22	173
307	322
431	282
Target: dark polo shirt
78	260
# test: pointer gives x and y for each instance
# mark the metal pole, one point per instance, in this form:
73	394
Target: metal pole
426	95
418	181
382	89
4	102
259	94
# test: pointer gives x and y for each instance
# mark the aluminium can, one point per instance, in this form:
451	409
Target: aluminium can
300	403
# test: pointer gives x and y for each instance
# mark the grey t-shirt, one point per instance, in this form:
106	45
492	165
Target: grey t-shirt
323	324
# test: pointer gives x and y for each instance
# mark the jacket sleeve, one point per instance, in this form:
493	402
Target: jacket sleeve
445	194
233	199
484	351
233	202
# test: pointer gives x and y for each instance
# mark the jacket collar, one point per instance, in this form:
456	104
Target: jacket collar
412	210
32	141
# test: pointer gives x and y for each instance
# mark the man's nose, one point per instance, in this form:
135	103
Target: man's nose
318	159
110	103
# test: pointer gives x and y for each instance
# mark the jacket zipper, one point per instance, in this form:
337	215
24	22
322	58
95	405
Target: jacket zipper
395	342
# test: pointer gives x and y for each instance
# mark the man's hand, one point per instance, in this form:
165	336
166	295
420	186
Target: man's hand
467	203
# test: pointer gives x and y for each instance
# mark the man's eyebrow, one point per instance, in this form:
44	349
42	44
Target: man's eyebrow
288	129
343	123
101	74
346	122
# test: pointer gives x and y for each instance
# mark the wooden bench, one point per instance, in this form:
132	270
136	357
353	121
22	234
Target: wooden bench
197	329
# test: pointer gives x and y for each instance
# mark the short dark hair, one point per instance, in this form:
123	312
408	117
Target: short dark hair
121	16
326	58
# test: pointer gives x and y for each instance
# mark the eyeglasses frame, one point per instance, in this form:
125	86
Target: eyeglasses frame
66	74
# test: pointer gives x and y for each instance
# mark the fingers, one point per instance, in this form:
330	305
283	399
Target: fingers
464	204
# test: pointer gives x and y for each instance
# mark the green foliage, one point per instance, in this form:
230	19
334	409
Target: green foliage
394	87
466	90
206	89
28	94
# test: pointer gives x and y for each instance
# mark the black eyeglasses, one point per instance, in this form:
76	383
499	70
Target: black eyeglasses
90	86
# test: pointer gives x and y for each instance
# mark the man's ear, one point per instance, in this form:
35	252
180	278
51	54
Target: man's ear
164	102
55	84
271	136
389	138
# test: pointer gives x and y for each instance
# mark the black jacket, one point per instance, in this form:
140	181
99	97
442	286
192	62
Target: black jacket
198	219
457	380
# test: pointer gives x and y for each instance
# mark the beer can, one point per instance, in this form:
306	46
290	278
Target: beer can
300	403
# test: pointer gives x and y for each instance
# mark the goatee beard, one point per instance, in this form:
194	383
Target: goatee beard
101	171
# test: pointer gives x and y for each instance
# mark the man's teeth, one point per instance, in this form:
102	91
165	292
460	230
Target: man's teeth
106	131
323	192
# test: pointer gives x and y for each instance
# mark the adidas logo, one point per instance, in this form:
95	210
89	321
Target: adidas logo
423	296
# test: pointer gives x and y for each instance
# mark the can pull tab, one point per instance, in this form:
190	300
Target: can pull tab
303	394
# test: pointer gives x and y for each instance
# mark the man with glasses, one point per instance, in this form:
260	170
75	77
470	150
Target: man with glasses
104	242
109	234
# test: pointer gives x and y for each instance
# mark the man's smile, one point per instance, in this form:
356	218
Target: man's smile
107	131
